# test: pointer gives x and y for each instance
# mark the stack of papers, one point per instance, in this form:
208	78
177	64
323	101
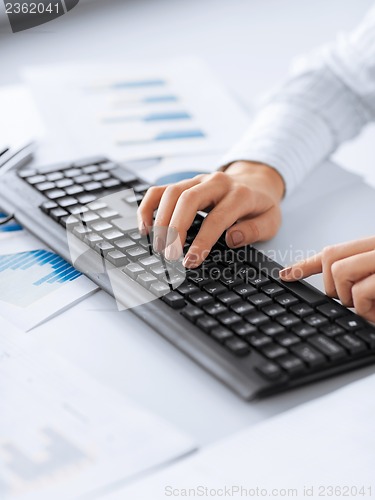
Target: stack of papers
323	449
137	111
64	435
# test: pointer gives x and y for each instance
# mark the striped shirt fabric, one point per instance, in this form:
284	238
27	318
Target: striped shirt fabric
326	101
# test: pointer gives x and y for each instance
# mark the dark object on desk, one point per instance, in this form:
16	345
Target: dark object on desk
232	315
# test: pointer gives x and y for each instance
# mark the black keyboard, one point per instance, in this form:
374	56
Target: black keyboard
232	314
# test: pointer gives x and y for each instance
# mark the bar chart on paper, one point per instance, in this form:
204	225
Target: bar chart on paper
35	283
29	276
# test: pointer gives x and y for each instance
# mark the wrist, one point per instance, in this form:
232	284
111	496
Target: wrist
266	175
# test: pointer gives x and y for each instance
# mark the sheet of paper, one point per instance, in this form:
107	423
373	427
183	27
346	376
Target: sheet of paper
325	448
133	111
63	435
35	283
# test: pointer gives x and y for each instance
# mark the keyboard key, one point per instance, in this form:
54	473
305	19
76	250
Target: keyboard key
140	187
200	298
214	288
45	186
104	247
272	289
24	173
258	281
112	235
101	176
97	205
286	300
273	310
73	172
81	231
57	213
242	308
332	310
230	281
237	347
132	269
101	226
67	202
173	299
302	310
93	238
287	320
316	320
272	328
308	354
228	298
124	243
55	194
245	290
273	351
90	169
92	186
270	371
328	347
113	183
243	329
228	318
89	217
160	271
258	339
191	313
82	179
368	336
214	308
207	323
221	334
117	258
75	189
259	300
36	179
291	364
86	198
63	183
332	330
54	176
149	261
46	206
351	323
287	339
145	279
136	252
352	343
77	209
256	318
305	293
304	330
159	289
107	213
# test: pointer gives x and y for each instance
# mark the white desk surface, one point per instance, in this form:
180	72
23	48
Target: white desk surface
249	44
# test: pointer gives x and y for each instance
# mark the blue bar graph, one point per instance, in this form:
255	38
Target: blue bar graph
172	135
26	277
152	117
10	226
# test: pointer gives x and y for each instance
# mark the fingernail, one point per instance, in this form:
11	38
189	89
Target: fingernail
237	238
284	273
158	244
190	260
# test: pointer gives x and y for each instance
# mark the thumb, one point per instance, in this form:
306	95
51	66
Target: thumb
251	229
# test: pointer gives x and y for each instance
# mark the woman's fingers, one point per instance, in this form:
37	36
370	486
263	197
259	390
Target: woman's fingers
364	297
251	229
299	270
149	204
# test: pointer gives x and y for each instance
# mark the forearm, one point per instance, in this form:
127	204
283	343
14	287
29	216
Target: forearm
328	102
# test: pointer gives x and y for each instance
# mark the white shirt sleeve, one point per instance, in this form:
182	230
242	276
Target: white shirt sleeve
328	101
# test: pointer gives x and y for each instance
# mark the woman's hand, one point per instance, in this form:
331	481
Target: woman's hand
348	271
245	198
